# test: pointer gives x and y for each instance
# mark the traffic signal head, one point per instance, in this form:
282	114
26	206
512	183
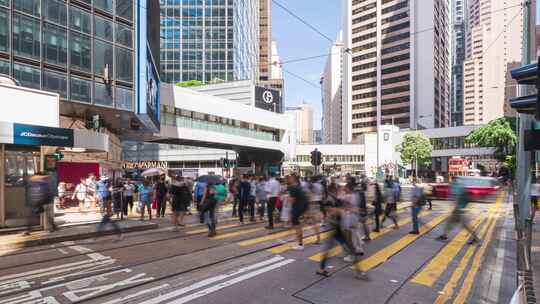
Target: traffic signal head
58	156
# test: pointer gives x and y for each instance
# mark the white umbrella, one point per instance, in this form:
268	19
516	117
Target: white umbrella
153	172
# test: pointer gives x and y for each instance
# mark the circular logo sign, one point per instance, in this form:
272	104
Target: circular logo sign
268	97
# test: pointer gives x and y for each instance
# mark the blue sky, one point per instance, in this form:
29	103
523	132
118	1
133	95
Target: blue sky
296	40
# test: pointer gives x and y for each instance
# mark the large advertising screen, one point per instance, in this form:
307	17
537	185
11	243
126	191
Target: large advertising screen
148	103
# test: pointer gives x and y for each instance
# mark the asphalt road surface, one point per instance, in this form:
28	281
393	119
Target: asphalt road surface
249	264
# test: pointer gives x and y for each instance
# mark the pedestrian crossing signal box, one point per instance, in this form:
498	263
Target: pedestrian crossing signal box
532	140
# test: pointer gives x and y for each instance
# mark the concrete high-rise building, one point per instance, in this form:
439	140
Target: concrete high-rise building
397	64
209	40
332	101
459	30
265	39
494	42
303	117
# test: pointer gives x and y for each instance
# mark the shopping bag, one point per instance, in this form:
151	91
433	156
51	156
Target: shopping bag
154	204
354	243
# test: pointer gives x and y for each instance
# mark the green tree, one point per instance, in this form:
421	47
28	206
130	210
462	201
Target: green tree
415	149
499	134
189	83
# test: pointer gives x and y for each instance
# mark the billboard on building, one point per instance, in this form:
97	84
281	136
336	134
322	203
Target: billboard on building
268	99
147	95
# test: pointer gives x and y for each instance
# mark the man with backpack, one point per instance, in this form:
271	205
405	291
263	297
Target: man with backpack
199	193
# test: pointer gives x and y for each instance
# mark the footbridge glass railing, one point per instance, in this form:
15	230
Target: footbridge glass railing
186	122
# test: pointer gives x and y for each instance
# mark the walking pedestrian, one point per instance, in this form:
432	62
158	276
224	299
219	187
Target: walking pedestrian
377	205
252	197
146	194
391	204
313	215
261	196
245	192
129	190
360	196
337	235
102	191
91	191
234	194
535	197
418	200
461	197
81	193
106	207
199	193
299	205
180	198
161	196
273	189
38	194
116	194
208	209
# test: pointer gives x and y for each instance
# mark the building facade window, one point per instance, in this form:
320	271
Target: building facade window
80	50
26	36
54	44
81	89
27	75
55	82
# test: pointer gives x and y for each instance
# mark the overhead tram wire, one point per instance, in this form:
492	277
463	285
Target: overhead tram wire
302	20
301	78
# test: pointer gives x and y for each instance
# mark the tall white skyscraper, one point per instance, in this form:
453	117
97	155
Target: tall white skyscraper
303	117
494	43
332	101
396	64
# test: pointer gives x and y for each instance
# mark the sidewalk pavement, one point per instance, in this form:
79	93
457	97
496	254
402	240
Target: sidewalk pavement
72	233
84	226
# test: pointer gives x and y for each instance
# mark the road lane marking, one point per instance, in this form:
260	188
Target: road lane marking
136	295
211	280
383	255
436	267
235	234
231	282
374	235
311	239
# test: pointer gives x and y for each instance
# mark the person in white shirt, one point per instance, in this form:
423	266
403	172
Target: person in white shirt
273	189
80	193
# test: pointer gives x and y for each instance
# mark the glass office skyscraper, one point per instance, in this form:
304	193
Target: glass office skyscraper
85	50
73	49
209	40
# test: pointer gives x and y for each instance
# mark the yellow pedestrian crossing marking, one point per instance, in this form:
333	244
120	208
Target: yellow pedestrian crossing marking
374	235
237	233
487	231
436	267
312	239
206	229
384	254
448	289
429	275
269	237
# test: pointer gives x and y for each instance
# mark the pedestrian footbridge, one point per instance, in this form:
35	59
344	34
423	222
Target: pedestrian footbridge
197	119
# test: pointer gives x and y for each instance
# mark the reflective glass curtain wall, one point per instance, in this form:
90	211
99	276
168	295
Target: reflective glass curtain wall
208	40
82	50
